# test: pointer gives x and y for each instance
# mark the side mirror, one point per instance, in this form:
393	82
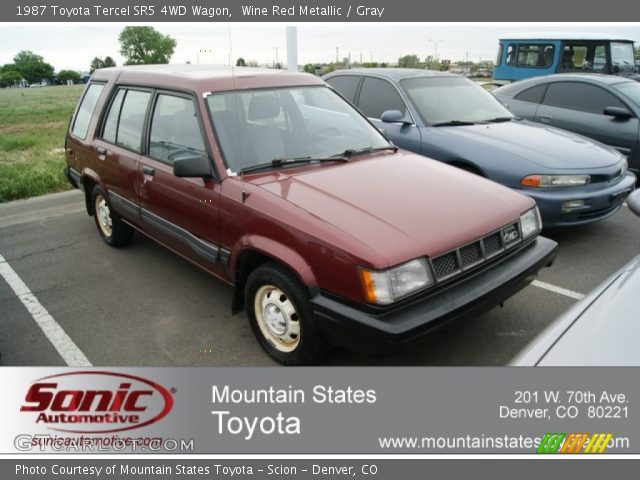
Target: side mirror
620	113
633	202
192	167
393	116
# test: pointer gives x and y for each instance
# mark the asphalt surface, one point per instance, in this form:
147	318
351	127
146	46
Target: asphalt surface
144	306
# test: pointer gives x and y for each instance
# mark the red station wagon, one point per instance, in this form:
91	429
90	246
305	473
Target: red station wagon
275	184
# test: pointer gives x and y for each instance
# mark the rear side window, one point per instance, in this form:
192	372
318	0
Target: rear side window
111	124
511	55
175	132
378	96
580	96
125	120
533	94
85	112
347	85
500	51
535	55
587	57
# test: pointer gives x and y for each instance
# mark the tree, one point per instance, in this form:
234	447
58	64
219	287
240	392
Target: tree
64	75
98	62
32	66
241	63
409	61
310	68
144	45
10	77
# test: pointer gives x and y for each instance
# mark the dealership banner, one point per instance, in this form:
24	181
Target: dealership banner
543	411
306	469
311	11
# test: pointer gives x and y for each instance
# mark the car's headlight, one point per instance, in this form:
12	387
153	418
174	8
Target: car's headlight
550	181
386	286
625	164
530	223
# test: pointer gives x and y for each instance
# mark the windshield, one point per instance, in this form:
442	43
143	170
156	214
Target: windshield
258	126
622	57
631	90
452	99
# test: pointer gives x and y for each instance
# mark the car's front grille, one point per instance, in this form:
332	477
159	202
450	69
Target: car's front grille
445	265
463	258
609	178
597	213
471	254
492	244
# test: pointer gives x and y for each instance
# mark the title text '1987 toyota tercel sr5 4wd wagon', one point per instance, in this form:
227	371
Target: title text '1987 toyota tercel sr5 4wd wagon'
276	185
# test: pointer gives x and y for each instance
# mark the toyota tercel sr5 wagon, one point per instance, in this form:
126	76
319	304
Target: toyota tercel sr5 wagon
276	185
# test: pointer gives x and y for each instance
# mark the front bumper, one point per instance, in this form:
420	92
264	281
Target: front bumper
384	330
600	202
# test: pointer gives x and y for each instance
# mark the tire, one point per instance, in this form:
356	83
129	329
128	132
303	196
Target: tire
111	228
281	317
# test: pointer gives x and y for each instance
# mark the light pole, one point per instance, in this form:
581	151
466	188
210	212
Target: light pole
435	47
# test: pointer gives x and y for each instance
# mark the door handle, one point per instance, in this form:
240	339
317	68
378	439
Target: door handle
546	118
148	170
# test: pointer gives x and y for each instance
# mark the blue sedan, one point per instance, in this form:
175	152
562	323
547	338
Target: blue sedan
574	180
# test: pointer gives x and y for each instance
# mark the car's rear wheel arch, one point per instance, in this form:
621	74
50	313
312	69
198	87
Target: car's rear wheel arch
89	184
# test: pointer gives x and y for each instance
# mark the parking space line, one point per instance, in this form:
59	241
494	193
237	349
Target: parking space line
66	347
559	290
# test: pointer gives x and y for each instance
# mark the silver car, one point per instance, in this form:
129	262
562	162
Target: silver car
602	107
602	329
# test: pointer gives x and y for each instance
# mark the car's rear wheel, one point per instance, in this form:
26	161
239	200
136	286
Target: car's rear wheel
281	317
112	229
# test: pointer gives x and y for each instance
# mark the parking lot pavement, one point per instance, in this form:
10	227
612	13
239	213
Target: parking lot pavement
145	306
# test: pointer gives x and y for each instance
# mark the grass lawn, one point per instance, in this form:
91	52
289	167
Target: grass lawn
33	123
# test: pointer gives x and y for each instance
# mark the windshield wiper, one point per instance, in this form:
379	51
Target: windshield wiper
500	119
350	152
283	162
453	123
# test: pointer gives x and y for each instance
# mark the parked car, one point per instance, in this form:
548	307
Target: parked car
602	329
273	183
527	56
603	107
449	118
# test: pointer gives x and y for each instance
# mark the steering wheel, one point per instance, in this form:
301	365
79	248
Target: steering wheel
331	131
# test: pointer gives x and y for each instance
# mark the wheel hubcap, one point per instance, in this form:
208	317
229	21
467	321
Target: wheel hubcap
277	318
104	216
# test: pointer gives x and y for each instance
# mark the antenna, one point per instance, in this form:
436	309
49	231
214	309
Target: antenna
245	195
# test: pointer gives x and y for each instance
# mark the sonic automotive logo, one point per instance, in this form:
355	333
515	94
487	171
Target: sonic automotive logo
123	402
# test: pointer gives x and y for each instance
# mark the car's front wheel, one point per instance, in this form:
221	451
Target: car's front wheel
281	317
112	229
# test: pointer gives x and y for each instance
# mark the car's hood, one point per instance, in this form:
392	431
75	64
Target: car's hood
601	330
401	205
546	147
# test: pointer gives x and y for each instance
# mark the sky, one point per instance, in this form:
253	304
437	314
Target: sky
68	46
